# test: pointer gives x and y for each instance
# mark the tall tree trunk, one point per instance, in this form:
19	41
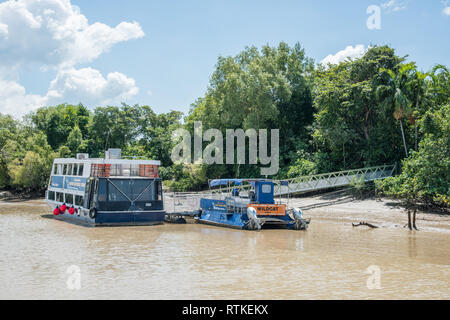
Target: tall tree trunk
343	153
414	218
403	136
415	124
409	220
415	134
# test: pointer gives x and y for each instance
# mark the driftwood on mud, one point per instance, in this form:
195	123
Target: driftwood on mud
362	223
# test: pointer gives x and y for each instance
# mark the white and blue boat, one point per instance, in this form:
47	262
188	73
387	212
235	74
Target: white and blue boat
106	192
248	204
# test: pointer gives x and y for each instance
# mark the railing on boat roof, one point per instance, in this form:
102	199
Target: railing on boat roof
107	170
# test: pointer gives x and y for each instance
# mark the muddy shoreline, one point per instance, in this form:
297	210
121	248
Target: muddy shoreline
383	212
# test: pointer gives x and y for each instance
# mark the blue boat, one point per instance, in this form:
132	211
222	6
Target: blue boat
248	204
106	192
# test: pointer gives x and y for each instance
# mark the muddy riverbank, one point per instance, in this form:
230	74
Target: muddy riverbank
383	212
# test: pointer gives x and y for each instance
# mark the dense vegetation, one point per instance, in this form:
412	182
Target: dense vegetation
379	109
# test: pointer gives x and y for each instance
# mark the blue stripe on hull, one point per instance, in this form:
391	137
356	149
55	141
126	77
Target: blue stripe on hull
217	224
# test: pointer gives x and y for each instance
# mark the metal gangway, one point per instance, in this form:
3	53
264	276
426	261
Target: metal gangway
182	203
332	179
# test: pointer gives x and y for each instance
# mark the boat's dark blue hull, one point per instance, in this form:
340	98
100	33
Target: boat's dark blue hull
128	218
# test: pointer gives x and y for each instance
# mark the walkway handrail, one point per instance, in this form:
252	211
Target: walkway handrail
384	172
384	167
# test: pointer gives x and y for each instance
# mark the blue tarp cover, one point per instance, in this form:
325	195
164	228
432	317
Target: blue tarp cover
237	182
224	182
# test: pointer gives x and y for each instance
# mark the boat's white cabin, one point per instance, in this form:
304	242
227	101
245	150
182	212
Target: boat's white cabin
70	177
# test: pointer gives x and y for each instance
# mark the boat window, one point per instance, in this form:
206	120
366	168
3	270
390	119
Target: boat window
116	170
55	169
114	194
101	193
79	200
60	197
145	190
75	169
69	198
266	188
69	169
64	169
134	189
51	195
158	188
134	169
80	169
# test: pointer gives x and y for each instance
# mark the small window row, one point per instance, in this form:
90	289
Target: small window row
69	169
66	198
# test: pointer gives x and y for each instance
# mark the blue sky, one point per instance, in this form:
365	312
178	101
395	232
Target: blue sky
166	58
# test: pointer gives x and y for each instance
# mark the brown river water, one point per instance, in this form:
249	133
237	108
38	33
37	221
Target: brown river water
192	261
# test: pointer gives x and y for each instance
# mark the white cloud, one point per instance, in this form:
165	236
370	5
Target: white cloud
14	99
349	52
394	5
53	34
73	86
88	86
446	11
3	30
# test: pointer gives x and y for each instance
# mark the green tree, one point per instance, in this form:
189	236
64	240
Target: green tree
57	122
351	128
266	89
32	173
156	133
425	174
395	94
9	129
112	127
75	140
30	162
439	89
418	89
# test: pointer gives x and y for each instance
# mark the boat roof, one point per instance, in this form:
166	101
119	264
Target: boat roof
106	161
237	182
224	182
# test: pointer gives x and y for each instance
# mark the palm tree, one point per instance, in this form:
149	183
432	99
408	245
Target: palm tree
418	89
395	93
440	88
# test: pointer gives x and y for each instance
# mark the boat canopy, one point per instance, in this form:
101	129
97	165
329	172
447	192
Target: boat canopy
224	182
237	182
